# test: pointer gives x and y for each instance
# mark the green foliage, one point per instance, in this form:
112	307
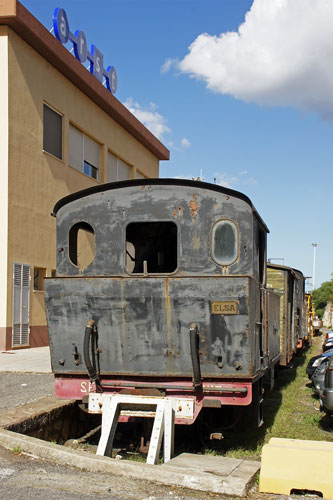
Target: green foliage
321	296
17	450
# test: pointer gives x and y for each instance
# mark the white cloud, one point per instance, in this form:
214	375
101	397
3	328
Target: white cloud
185	143
153	120
226	180
251	181
165	68
232	180
179	146
156	123
281	55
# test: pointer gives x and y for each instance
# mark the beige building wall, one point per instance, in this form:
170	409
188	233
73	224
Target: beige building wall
36	179
4	181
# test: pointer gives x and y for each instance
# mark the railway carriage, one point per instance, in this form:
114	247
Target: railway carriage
289	284
161	289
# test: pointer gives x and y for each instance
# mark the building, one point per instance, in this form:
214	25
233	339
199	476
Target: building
61	131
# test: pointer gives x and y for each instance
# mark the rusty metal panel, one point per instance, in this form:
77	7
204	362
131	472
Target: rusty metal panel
143	324
194	210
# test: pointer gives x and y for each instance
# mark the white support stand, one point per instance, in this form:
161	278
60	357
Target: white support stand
164	422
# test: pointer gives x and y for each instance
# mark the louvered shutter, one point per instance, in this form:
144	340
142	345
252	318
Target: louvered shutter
21	304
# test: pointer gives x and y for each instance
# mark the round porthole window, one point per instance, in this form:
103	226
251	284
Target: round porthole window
225	242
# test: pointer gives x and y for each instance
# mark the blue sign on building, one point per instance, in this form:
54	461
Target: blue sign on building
79	41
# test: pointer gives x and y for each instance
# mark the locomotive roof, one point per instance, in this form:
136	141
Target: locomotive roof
156	182
285	268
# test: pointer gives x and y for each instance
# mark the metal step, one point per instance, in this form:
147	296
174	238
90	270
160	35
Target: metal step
164	422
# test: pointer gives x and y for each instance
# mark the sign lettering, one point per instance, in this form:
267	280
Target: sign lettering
224	308
81	52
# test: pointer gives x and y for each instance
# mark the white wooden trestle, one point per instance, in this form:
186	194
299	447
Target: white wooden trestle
164	423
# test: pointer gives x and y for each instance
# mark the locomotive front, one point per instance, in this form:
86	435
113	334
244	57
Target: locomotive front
160	289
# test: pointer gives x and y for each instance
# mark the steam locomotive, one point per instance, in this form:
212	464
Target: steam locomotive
161	289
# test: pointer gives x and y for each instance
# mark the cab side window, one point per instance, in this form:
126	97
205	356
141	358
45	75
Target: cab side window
225	242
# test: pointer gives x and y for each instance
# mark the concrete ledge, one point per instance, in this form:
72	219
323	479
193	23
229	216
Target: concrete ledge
236	482
28	416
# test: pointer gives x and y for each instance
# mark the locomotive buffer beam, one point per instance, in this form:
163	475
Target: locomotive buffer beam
164	423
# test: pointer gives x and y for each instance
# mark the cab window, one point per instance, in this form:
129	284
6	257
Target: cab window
225	242
151	247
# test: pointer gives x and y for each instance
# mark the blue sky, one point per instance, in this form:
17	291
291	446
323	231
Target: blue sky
238	90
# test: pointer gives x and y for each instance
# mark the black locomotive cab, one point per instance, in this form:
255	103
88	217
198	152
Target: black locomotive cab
171	274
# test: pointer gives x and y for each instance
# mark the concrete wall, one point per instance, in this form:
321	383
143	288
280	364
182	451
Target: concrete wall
36	179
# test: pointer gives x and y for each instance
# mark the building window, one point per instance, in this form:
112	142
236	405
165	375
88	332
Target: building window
151	247
52	131
117	169
39	275
84	153
225	242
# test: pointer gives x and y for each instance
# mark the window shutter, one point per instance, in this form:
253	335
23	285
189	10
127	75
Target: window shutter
91	151
21	304
112	168
75	148
124	170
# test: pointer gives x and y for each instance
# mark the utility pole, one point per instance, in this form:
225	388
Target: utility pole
314	266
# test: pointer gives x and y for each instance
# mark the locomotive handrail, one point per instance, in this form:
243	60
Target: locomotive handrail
90	339
194	346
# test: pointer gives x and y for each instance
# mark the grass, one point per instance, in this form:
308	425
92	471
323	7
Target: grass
290	411
17	450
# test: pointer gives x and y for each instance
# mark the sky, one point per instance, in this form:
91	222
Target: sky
240	91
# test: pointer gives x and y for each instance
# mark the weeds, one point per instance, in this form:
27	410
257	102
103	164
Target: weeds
17	450
289	412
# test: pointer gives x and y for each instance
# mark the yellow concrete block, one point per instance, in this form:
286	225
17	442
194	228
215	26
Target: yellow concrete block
301	443
294	464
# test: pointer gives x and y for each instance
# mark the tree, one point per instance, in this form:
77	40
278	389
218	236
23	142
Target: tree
322	295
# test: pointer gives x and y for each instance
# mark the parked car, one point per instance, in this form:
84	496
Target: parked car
326	398
315	361
328	344
318	376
